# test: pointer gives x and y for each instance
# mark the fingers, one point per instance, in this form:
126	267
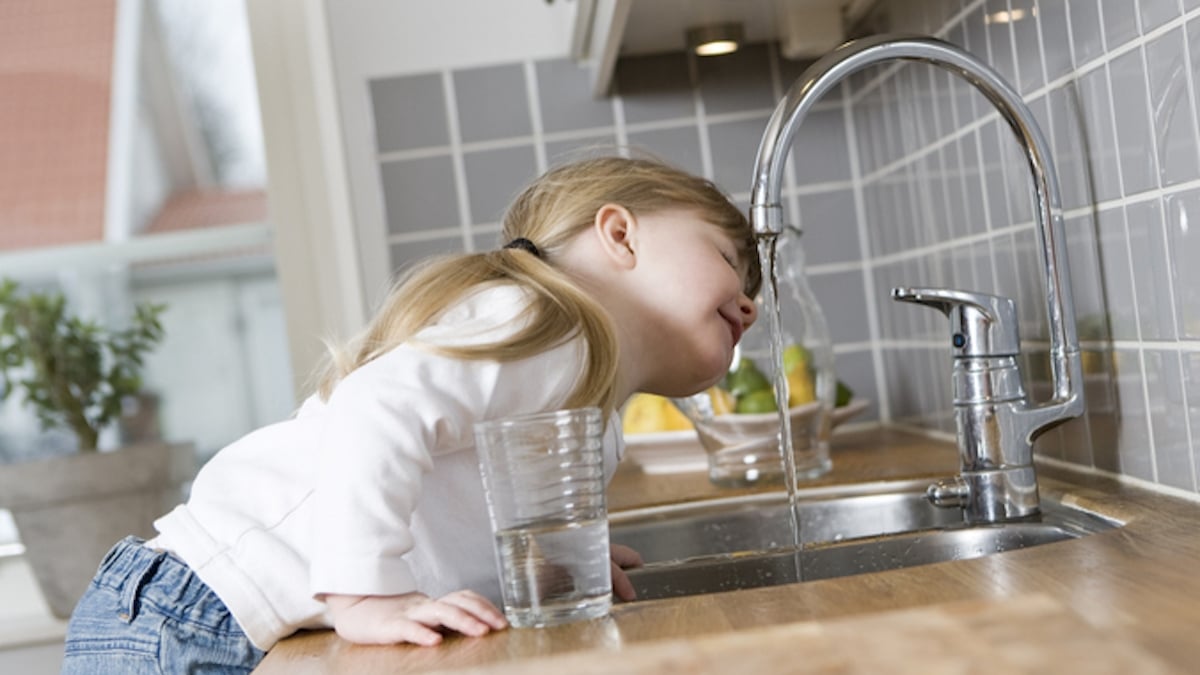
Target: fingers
479	607
459	611
621	585
625	556
416	632
396	630
413	617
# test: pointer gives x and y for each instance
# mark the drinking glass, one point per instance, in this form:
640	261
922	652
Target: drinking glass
543	475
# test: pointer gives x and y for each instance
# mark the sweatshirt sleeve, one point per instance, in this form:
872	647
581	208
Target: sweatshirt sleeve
385	426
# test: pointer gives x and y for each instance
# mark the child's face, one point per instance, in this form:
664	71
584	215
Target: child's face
693	287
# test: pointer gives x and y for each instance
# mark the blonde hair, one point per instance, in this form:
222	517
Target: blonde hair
550	212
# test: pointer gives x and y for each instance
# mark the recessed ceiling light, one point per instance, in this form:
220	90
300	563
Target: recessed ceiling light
715	39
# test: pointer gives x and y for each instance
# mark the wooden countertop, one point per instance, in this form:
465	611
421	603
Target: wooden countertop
1127	600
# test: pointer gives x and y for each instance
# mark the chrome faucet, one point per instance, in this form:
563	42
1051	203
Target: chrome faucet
996	422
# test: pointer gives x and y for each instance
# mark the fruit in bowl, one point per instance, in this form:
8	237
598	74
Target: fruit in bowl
745	396
650	413
754	393
738	423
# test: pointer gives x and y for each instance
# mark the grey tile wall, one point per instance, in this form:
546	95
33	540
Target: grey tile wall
733	145
938	183
419	194
1119	18
1087	37
410	112
679	145
655	88
1112	85
578	147
566	101
1182	212
494	177
1155	13
492	103
1172	109
738	82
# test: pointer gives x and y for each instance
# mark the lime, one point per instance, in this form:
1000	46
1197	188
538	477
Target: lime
761	401
844	394
747	378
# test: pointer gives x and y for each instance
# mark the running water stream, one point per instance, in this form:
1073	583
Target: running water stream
769	261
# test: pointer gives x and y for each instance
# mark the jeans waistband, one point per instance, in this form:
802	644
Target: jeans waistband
130	565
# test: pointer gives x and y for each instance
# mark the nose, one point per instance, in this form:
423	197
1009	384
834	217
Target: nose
748	309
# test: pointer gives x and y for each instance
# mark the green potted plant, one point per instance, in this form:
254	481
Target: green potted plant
78	376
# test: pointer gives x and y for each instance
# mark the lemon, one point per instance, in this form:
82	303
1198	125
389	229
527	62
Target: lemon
642	415
649	413
673	418
794	355
723	402
800	387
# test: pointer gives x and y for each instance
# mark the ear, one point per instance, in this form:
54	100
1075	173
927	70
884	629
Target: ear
616	229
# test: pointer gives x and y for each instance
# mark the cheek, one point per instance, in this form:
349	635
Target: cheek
713	359
696	362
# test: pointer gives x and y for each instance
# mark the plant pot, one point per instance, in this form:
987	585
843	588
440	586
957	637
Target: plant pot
71	510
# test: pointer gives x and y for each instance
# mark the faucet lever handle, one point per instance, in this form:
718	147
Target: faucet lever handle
980	324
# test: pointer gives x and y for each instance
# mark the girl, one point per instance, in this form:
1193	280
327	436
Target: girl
365	511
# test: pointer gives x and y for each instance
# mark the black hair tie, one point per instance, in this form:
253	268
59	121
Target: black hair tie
525	245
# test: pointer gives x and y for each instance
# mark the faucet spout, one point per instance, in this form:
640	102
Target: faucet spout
1024	421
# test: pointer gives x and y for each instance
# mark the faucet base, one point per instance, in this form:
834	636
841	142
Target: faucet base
989	496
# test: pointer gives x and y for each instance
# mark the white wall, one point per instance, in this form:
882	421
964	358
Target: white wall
391	37
383	38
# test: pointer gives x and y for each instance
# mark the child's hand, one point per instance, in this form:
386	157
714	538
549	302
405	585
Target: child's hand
623	558
412	617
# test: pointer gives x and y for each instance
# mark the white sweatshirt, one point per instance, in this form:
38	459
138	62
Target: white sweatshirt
375	492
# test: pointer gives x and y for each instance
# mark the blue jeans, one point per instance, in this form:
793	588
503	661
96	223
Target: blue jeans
147	612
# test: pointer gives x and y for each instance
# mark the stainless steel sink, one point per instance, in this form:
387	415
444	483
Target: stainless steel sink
746	542
761	522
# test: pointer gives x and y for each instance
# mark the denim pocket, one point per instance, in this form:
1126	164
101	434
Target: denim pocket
186	647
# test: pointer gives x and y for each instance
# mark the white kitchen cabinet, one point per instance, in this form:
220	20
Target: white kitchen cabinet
606	30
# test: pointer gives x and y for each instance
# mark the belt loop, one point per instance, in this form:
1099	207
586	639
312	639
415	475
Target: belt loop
135	582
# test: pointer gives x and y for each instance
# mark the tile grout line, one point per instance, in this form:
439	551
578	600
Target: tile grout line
706	160
457	162
572	135
621	125
533	99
